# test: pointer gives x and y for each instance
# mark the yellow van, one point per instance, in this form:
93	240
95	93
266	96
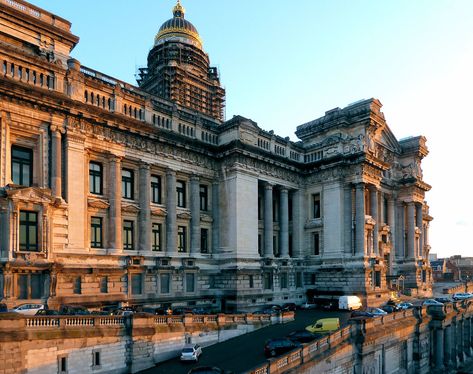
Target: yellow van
324	325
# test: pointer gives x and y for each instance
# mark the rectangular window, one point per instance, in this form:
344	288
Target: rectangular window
136	284
104	284
95	178
156	189
22	166
268	281
36	286
181	194
62	365
165	280
181	239
204	240
316	243
190	282
22	286
377	279
260	244
30	286
316	205
77	285
289	245
96	359
28	231
156	237
128	235
283	280
252	281
298	279
96	232
204	198
127	184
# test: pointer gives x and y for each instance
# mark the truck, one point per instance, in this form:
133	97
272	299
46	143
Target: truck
349	302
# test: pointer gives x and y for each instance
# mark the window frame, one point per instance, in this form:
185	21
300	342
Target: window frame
128	184
24	243
128	245
190	282
94	229
94	177
167	284
133	279
156	246
181	194
316	205
22	163
181	239
204	197
204	240
156	189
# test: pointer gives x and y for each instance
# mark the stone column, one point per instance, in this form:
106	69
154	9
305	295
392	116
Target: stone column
392	227
461	348
284	221
268	220
56	163
171	227
448	346
439	349
375	216
381	209
215	217
297	223
115	221
195	215
410	229
347	219
144	237
470	336
360	219
466	337
419	224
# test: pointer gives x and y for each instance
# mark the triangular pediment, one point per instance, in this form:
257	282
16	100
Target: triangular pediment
158	211
98	203
30	194
387	139
184	215
130	208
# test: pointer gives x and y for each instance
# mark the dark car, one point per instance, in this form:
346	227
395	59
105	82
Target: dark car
389	308
277	346
361	314
301	336
289	307
443	300
182	310
208	370
47	312
73	310
3	308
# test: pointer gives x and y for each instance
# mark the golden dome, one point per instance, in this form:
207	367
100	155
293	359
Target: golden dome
178	29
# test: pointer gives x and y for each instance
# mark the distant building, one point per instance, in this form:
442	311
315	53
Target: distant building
112	193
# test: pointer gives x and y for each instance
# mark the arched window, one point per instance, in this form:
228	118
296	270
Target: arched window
86	96
103	102
109	104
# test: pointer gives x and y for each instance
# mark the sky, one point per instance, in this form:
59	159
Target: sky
286	62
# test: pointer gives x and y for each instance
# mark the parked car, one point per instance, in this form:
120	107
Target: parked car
376	311
349	302
277	346
207	370
3	308
191	352
359	314
182	310
289	307
28	309
73	310
443	300
200	310
389	308
405	305
324	325
308	305
461	296
47	312
431	302
301	336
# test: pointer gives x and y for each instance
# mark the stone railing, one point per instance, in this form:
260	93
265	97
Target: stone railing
75	321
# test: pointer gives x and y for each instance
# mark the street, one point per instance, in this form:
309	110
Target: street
244	352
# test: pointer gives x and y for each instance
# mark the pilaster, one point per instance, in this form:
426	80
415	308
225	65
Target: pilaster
171	228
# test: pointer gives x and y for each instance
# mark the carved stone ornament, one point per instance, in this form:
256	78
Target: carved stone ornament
158	211
130	208
30	194
184	215
97	203
369	221
206	218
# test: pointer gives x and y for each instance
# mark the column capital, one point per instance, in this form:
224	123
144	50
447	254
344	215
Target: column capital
284	190
170	172
268	186
145	166
194	178
115	158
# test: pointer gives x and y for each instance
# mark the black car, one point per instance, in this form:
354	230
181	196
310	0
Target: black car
208	370
289	307
301	336
3	308
443	300
182	310
389	308
47	312
359	314
73	310
277	346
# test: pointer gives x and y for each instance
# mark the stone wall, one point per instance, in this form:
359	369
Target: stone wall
111	344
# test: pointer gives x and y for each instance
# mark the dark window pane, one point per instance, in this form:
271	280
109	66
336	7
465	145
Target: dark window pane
28	231
96	232
165	280
23	287
190	282
36	286
128	235
21	165
181	194
204	240
77	285
156	189
136	284
127	184
95	178
203	197
104	284
156	237
181	239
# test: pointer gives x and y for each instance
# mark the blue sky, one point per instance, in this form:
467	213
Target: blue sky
286	62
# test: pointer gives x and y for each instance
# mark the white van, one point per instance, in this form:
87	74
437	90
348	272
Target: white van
349	302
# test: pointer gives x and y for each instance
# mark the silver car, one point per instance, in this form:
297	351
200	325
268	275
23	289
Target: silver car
191	352
28	309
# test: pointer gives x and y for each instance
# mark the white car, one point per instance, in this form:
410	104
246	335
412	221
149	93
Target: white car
191	352
308	305
430	302
405	305
28	309
461	296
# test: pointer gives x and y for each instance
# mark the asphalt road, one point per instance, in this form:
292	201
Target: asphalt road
244	352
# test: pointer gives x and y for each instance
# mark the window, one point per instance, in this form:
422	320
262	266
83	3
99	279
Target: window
377	279
22	286
181	239
268	281
62	365
316	205
190	282
104	284
181	194
156	189
96	232
204	240
298	279
77	285
28	231
127	184
136	284
156	237
165	280
95	178
251	281
316	243
260	244
96	359
30	286
283	280
128	235
22	166
204	197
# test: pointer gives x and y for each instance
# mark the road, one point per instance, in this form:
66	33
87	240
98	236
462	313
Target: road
244	352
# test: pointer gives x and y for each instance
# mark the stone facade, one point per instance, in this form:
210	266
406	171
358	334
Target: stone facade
113	193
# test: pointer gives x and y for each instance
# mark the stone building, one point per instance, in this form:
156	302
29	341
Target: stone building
111	192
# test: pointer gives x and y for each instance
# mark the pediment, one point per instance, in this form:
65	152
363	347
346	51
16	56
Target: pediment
97	203
387	139
30	194
206	218
130	208
184	215
157	211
